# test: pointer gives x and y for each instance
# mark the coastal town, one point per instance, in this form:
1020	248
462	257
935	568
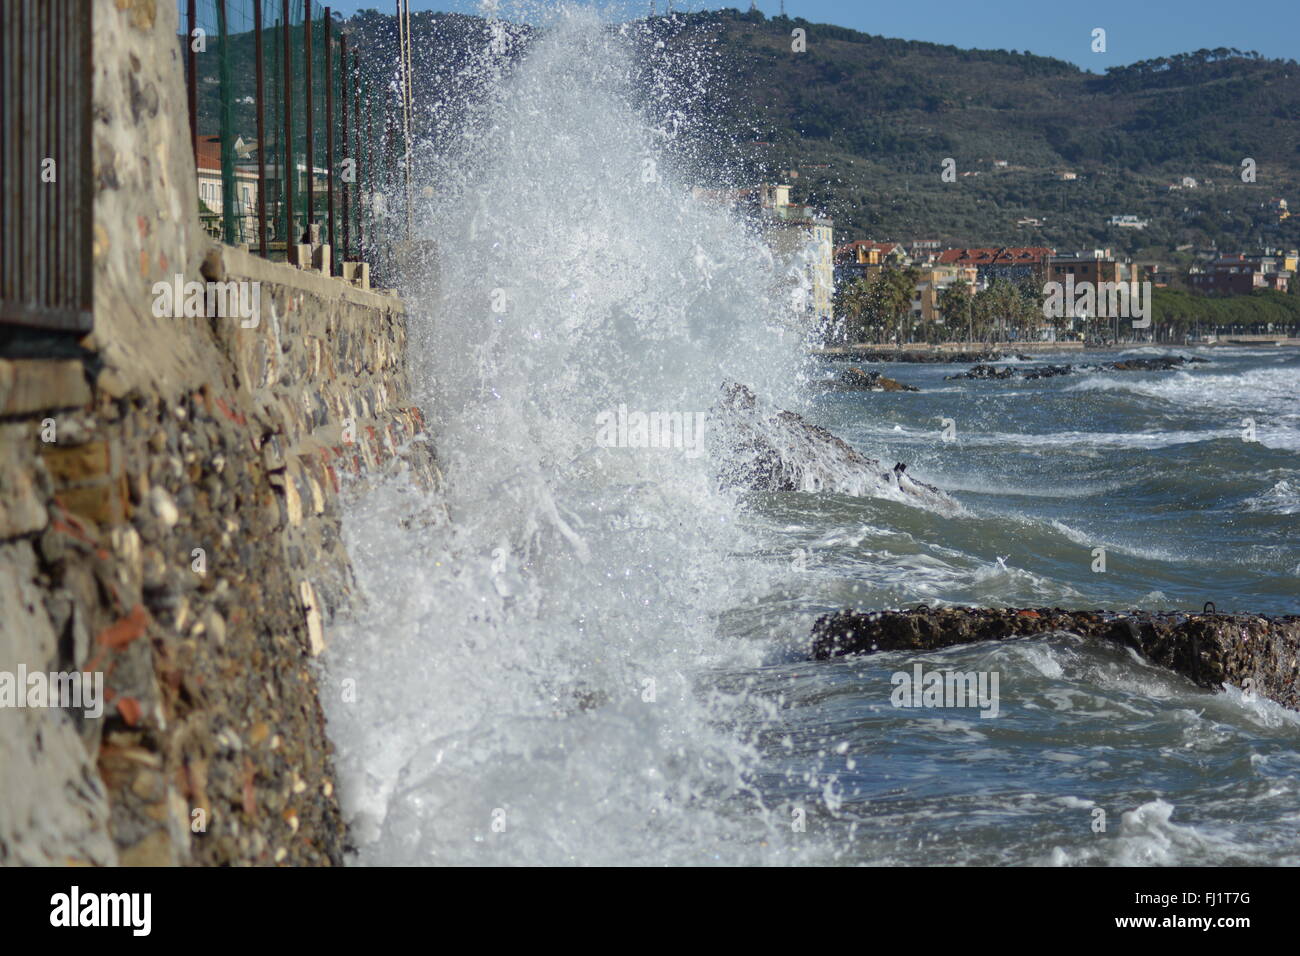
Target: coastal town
921	290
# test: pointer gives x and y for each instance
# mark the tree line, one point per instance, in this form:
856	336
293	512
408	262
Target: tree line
880	309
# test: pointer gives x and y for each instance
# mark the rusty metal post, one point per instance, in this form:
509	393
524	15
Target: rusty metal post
329	134
84	203
363	167
288	168
261	130
47	263
193	91
343	90
307	115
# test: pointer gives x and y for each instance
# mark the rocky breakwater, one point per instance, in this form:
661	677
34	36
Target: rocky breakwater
766	449
1257	654
917	356
1161	364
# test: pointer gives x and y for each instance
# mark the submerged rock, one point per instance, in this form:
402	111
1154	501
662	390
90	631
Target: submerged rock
984	371
1161	364
1048	371
871	381
765	450
1260	654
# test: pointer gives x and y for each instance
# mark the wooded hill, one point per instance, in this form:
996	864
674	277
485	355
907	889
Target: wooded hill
867	121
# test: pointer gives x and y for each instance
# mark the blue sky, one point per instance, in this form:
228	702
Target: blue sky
1135	29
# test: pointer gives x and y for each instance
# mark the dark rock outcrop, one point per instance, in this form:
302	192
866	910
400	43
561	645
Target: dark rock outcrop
1048	371
919	357
983	371
766	450
1163	363
1209	649
856	378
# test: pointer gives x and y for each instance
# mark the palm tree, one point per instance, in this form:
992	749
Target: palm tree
852	301
955	303
892	293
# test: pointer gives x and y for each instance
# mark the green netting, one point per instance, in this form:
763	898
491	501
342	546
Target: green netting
292	51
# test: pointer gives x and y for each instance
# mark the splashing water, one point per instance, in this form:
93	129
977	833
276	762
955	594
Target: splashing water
527	676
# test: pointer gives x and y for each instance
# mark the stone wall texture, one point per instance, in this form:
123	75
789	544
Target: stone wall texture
170	493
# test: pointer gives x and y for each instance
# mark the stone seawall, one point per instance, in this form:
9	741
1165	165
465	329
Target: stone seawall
170	494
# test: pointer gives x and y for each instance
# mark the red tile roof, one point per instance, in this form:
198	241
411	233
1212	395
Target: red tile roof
869	243
1007	255
209	157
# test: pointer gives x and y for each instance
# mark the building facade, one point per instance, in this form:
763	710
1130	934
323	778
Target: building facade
1242	274
1013	263
1095	266
801	241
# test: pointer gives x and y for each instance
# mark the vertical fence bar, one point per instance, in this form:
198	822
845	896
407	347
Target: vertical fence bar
32	159
401	61
10	99
329	133
310	197
288	168
370	171
260	96
85	193
65	274
343	93
44	137
406	115
32	149
362	167
225	123
82	196
10	102
193	92
46	145
61	263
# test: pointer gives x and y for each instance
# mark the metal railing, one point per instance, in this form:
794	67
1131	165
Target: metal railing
46	198
277	97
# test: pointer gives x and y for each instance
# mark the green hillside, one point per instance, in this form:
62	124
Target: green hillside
867	122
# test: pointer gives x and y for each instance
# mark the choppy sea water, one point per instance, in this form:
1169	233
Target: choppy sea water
576	654
1153	468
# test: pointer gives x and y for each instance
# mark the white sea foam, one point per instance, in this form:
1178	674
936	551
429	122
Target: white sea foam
1281	499
1273	389
1146	552
526	675
1068	439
